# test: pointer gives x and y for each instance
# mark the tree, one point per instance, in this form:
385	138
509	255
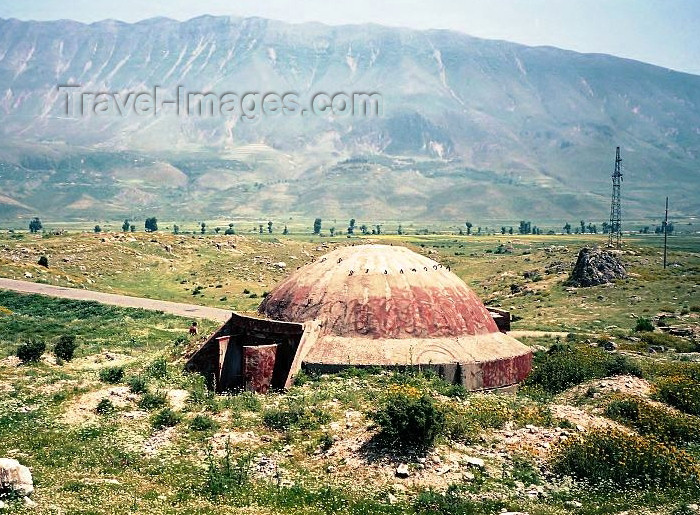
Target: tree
525	227
151	224
606	227
503	229
97	228
510	230
132	228
332	231
317	226
379	229
583	227
126	225
230	230
65	347
399	231
567	228
203	227
364	229
217	230
469	227
286	231
592	228
351	227
260	228
176	229
478	230
35	225
269	227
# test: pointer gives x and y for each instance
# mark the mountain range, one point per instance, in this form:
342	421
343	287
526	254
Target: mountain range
470	128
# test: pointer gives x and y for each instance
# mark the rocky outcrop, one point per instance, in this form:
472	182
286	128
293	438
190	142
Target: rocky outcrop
595	266
15	477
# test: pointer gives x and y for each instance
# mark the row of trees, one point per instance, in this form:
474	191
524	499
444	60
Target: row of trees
525	227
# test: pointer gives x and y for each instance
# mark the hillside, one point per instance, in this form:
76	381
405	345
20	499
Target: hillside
470	127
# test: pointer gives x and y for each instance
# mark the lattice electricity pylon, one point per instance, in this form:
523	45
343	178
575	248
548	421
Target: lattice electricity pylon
615	236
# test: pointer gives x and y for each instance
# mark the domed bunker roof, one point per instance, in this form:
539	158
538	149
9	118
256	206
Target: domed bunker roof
387	305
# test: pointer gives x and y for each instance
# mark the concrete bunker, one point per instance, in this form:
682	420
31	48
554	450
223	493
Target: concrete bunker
365	305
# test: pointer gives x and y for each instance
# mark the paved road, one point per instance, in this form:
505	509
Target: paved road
174	308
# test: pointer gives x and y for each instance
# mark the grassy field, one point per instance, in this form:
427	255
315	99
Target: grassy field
155	441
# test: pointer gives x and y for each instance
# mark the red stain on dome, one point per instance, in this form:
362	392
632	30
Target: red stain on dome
380	291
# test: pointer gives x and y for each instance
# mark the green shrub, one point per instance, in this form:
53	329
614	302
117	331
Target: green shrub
65	347
202	423
643	324
564	366
158	368
409	418
650	419
226	475
137	384
297	416
680	392
31	351
165	418
104	407
669	341
111	375
152	400
610	456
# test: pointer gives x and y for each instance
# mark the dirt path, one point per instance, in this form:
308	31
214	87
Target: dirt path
174	308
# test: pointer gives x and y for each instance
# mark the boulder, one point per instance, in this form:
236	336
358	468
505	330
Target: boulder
15	477
595	266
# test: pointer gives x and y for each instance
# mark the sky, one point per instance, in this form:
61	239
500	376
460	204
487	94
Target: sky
661	32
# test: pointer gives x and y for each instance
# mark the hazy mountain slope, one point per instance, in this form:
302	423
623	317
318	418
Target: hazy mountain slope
470	127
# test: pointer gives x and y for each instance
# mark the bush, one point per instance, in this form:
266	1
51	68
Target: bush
643	324
670	341
226	476
111	375
165	418
43	261
31	351
65	347
611	456
158	368
202	423
564	366
409	419
650	419
150	400
297	416
680	392
104	407
137	384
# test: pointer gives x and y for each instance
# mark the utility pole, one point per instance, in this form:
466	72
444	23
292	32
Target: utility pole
615	237
665	232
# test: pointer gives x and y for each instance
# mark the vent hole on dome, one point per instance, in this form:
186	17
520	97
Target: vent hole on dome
340	260
351	272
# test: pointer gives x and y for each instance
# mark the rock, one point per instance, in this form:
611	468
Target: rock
595	266
28	503
402	471
281	265
573	504
474	462
28	275
391	498
468	476
15	477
